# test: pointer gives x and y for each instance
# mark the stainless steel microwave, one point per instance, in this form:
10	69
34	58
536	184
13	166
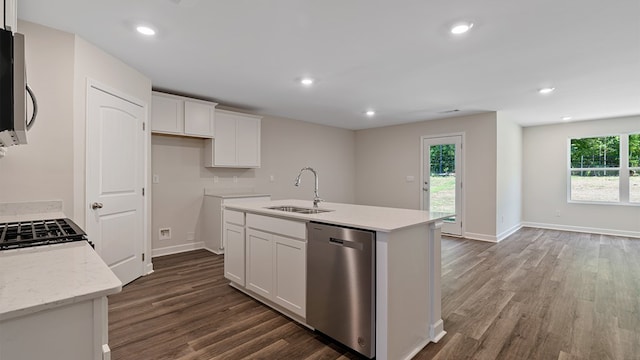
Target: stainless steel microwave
14	90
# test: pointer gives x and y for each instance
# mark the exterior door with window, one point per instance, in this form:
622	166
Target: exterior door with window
442	179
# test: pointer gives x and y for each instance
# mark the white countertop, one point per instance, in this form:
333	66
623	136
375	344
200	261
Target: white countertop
44	277
233	193
376	218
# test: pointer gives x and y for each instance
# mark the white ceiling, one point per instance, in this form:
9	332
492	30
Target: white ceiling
396	57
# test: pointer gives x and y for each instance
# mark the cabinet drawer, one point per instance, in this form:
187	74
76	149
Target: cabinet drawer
295	229
234	217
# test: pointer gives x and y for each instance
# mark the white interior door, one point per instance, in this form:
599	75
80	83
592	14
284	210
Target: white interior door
115	181
442	179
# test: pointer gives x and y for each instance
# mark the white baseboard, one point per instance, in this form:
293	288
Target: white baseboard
481	237
177	249
217	252
148	268
582	229
505	234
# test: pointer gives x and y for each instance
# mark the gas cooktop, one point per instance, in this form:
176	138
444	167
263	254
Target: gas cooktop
22	234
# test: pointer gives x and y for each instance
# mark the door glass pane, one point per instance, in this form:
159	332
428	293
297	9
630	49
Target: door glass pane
595	185
443	179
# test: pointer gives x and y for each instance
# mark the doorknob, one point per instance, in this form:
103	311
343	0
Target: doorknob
425	189
96	205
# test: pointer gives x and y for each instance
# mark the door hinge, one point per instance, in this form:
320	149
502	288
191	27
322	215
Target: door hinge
144	126
142	191
142	257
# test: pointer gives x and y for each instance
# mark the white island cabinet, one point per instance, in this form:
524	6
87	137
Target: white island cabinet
53	303
407	271
276	257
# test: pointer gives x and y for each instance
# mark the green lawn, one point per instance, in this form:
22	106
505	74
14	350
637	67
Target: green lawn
443	193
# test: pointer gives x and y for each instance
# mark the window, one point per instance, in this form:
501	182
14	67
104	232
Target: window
605	169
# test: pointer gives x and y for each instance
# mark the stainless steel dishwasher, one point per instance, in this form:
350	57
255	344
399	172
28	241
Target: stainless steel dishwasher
341	285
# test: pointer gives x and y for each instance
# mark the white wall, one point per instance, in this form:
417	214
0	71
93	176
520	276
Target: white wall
385	156
43	169
286	146
545	180
509	177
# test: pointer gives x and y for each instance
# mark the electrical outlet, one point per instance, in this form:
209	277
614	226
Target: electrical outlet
272	178
557	213
235	179
215	180
191	236
410	178
156	179
164	234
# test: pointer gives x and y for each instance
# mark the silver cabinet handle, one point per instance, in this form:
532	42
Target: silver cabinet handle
96	205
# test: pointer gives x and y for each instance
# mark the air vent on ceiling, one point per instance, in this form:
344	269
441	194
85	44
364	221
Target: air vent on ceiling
448	111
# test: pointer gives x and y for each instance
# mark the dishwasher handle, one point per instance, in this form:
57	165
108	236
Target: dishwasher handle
346	243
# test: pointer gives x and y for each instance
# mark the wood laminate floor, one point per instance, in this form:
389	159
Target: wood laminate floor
540	294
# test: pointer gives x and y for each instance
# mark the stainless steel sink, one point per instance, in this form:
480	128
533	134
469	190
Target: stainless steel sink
298	210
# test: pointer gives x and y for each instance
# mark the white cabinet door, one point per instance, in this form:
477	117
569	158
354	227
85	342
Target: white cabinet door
260	263
237	141
248	143
234	255
199	118
178	115
167	114
225	147
289	290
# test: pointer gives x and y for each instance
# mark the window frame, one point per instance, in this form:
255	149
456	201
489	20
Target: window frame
623	169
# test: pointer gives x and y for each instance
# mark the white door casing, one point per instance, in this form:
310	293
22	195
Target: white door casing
115	181
432	193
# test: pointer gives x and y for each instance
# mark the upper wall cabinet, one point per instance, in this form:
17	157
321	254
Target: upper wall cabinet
177	115
237	141
9	13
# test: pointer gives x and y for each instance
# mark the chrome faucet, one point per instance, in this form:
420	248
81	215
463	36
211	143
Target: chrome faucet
316	198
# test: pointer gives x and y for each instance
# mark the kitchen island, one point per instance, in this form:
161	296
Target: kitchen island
407	265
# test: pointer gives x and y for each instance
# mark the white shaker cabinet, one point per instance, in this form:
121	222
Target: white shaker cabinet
259	257
276	261
276	269
237	141
10	14
178	115
289	274
234	256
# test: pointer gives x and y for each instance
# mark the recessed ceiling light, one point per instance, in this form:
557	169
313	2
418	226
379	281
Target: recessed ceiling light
461	28
145	30
306	81
566	118
547	90
370	113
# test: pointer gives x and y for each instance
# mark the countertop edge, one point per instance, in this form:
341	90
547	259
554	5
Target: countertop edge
109	284
259	208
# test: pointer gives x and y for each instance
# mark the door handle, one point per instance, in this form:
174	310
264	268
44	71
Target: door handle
96	206
425	189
